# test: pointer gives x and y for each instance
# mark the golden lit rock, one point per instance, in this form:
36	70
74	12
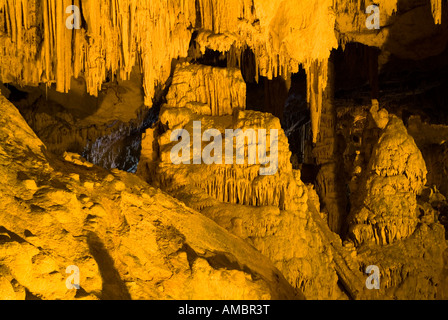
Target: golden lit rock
210	149
397	174
116	233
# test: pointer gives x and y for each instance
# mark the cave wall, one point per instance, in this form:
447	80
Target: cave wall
278	38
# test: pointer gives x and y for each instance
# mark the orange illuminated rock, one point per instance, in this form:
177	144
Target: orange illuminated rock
206	224
396	175
268	211
129	240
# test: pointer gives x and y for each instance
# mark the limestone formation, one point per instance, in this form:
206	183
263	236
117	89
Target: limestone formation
233	183
432	141
395	176
124	34
223	149
381	203
197	87
271	212
436	6
119	35
129	241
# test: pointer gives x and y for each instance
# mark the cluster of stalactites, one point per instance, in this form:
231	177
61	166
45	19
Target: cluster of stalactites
358	7
280	35
316	70
118	35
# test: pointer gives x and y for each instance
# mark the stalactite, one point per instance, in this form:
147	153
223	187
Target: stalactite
436	7
317	72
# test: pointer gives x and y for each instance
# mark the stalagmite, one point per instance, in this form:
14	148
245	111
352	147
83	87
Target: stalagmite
330	183
235	195
217	97
152	254
396	175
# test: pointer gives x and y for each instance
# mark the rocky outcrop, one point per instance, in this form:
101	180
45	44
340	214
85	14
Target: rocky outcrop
387	175
129	240
413	268
291	239
235	182
133	241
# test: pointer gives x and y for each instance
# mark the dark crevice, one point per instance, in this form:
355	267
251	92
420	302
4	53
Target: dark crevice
191	254
12	237
30	296
218	260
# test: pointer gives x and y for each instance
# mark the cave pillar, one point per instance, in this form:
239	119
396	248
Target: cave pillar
330	180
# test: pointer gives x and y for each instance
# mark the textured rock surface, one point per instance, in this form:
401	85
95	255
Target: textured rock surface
198	87
413	268
405	29
270	212
234	183
329	181
123	34
215	62
395	176
294	234
432	141
116	36
129	240
415	265
105	130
